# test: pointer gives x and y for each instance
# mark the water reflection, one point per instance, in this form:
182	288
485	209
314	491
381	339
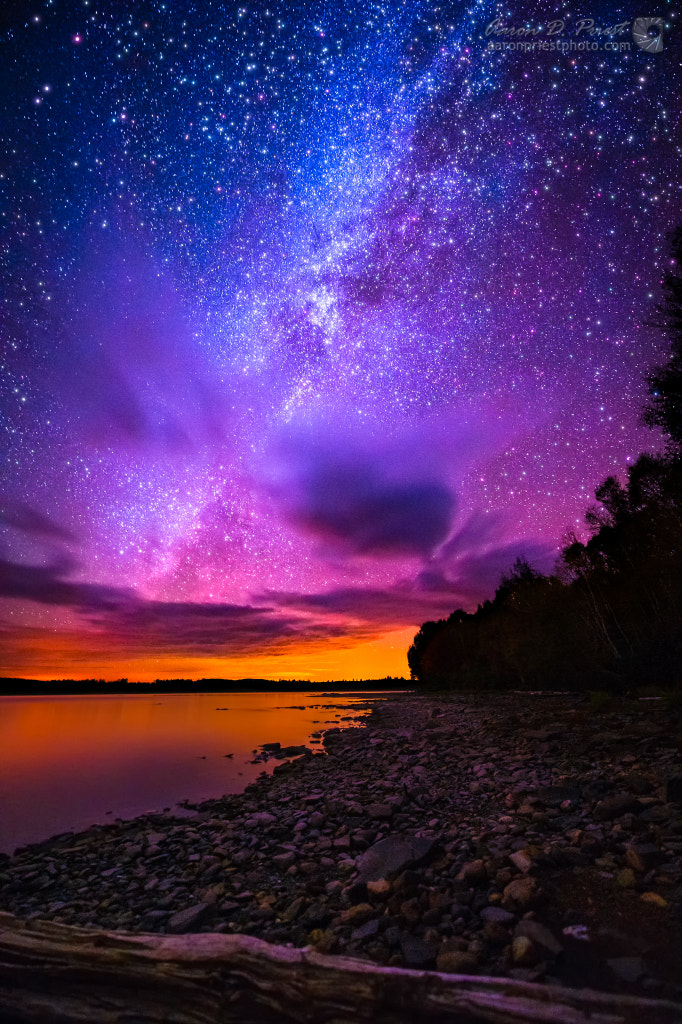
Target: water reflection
68	762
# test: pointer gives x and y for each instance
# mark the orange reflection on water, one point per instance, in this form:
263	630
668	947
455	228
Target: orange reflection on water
66	761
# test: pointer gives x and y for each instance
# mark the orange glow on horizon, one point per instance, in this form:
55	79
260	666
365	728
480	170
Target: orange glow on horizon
37	654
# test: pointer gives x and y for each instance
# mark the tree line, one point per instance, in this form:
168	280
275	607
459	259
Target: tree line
610	614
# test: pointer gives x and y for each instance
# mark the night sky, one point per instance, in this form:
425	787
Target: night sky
315	317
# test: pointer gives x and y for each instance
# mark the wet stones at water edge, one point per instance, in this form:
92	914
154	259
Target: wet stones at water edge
463	834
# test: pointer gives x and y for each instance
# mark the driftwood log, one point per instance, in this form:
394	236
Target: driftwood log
53	974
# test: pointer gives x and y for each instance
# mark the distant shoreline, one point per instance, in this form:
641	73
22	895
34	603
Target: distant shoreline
16	687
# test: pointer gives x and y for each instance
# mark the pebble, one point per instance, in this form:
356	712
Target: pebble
449	832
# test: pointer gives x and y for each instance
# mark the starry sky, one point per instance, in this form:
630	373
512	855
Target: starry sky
315	316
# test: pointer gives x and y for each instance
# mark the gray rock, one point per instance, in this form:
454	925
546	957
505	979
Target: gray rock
365	930
392	854
261	818
185	920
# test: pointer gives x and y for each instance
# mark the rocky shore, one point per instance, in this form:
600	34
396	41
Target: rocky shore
529	836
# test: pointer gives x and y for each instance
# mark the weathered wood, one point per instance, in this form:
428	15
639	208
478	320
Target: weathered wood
53	974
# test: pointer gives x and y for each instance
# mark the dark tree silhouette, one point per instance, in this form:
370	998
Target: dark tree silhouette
665	384
611	615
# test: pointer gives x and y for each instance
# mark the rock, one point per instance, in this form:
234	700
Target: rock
456	962
498	915
554	796
673	790
293	909
473	873
392	854
317	915
356	893
626	878
653	897
643	857
154	838
638	784
261	818
358	914
416	952
524	953
614	806
495	933
378	887
539	936
365	930
410	910
284	860
520	894
185	920
627	968
521	860
380	811
308	867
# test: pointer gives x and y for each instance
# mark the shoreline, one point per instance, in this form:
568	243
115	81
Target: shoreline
502	834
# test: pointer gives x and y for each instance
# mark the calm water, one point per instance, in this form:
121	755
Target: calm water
69	762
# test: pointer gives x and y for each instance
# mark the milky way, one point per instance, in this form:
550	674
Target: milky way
315	317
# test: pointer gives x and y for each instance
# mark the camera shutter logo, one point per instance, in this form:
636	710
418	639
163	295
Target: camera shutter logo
640	34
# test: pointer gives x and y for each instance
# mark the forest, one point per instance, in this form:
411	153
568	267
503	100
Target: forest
609	617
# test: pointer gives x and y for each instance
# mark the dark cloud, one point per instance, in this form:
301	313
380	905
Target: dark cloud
50	585
133	623
369	515
391	607
364	496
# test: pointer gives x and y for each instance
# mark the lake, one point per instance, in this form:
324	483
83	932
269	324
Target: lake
70	762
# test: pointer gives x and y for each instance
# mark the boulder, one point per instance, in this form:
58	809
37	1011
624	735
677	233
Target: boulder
392	854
